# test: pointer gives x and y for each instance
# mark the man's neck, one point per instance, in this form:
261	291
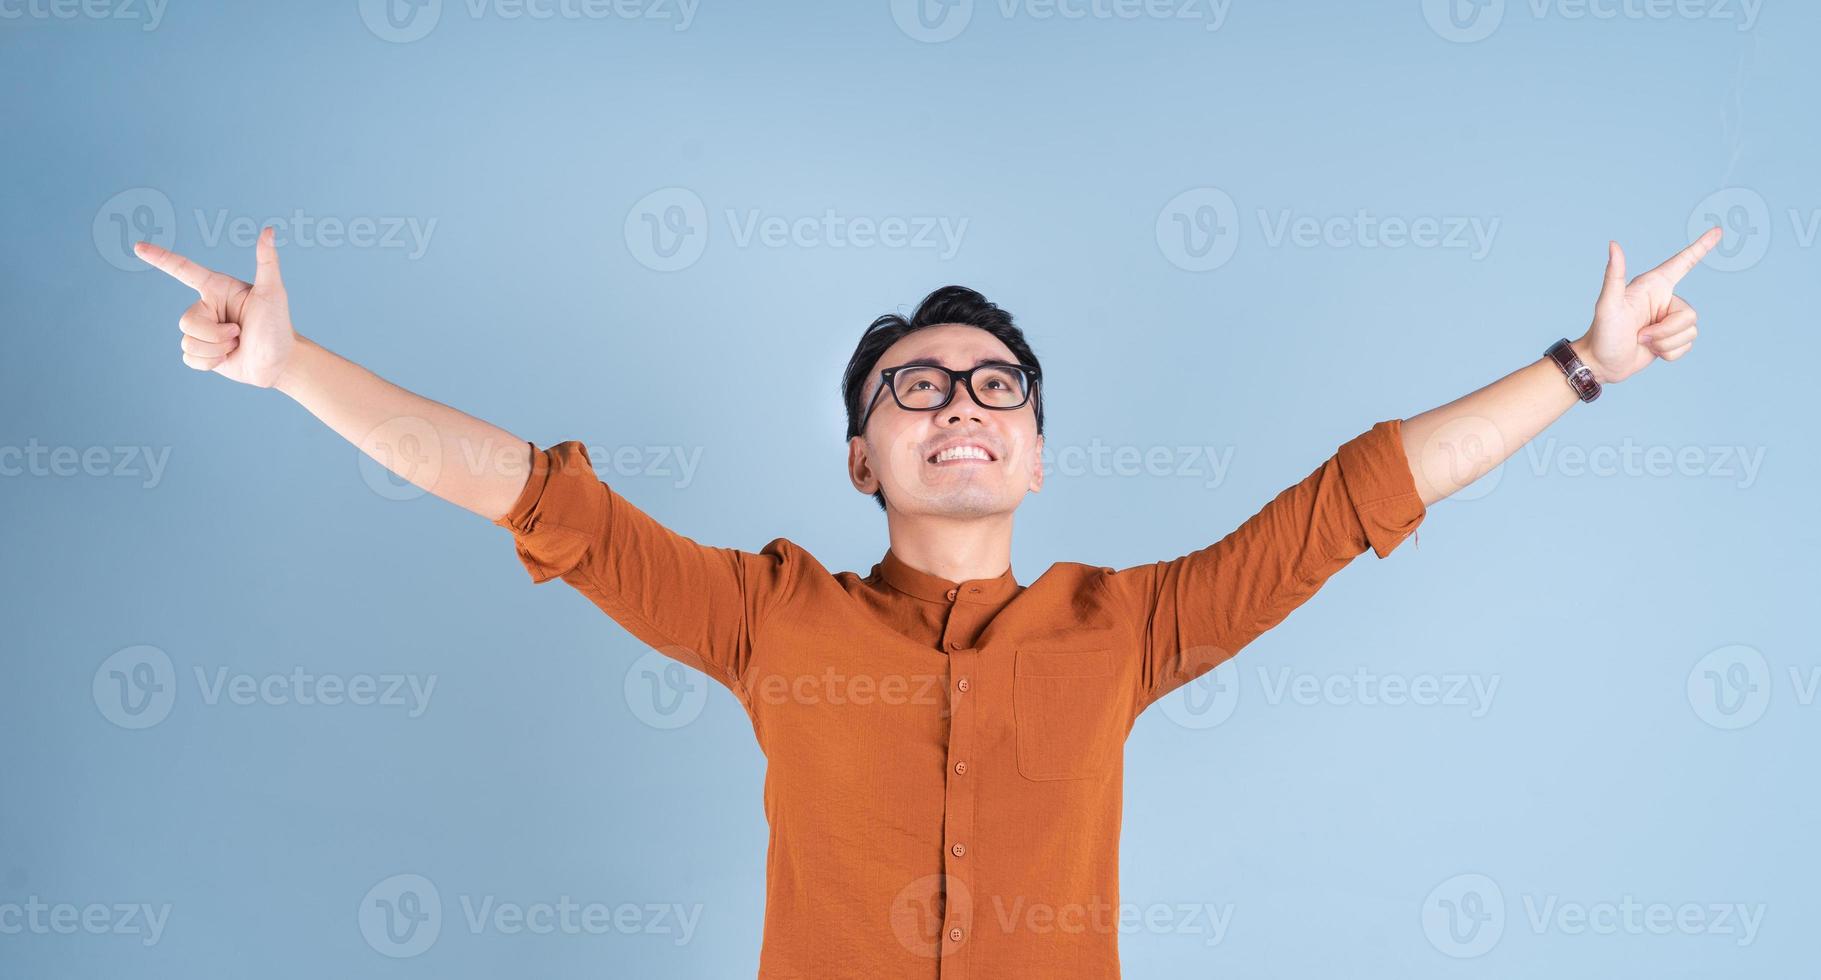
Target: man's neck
956	550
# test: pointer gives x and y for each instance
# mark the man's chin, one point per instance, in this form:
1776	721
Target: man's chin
967	502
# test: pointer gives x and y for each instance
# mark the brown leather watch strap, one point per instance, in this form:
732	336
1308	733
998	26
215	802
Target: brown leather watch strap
1580	376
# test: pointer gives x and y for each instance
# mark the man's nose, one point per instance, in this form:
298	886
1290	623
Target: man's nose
961	408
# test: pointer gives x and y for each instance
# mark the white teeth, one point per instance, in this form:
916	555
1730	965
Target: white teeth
962	452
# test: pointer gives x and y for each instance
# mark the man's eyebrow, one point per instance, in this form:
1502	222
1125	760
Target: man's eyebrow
933	362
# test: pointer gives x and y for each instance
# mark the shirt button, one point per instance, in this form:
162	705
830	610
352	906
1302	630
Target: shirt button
960	768
959	849
951	595
962	684
954	935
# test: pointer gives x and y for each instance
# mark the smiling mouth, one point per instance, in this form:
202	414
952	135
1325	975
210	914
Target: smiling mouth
960	454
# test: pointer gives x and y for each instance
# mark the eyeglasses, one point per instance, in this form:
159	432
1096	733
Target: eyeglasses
928	387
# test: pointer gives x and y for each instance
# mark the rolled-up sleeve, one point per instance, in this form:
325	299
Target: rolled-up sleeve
1193	612
699	604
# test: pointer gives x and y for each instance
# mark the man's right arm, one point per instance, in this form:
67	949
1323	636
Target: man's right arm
242	331
697	604
462	459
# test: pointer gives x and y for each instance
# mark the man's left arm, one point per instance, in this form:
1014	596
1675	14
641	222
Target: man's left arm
1193	612
1633	325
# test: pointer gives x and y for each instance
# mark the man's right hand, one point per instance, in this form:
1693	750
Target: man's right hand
239	330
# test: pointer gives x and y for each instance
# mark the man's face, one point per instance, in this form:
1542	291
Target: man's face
896	450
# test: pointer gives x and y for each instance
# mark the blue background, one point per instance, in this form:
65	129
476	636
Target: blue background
1607	766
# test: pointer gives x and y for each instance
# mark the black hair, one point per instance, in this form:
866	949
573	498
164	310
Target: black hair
950	304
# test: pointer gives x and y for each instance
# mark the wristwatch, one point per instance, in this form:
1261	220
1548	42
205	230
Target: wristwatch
1580	376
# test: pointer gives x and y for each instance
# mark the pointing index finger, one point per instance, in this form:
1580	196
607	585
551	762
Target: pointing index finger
1679	264
173	265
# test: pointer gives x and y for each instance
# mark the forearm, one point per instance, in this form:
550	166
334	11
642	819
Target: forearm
455	456
1455	444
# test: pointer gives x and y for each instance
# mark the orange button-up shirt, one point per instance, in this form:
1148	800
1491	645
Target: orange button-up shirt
945	759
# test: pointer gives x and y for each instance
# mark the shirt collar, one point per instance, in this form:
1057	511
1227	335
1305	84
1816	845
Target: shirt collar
923	585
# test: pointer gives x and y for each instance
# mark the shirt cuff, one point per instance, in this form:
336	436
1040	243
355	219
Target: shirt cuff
1381	486
560	513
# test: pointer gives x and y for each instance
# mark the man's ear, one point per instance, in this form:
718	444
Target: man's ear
859	468
1037	469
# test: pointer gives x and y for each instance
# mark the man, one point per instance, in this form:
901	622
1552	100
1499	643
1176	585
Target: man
944	744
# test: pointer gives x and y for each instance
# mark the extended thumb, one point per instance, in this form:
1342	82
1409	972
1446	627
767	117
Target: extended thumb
1615	271
265	254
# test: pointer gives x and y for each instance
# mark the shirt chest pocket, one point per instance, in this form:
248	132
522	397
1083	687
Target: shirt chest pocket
1065	708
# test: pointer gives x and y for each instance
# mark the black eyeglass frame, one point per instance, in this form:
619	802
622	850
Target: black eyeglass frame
1031	377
